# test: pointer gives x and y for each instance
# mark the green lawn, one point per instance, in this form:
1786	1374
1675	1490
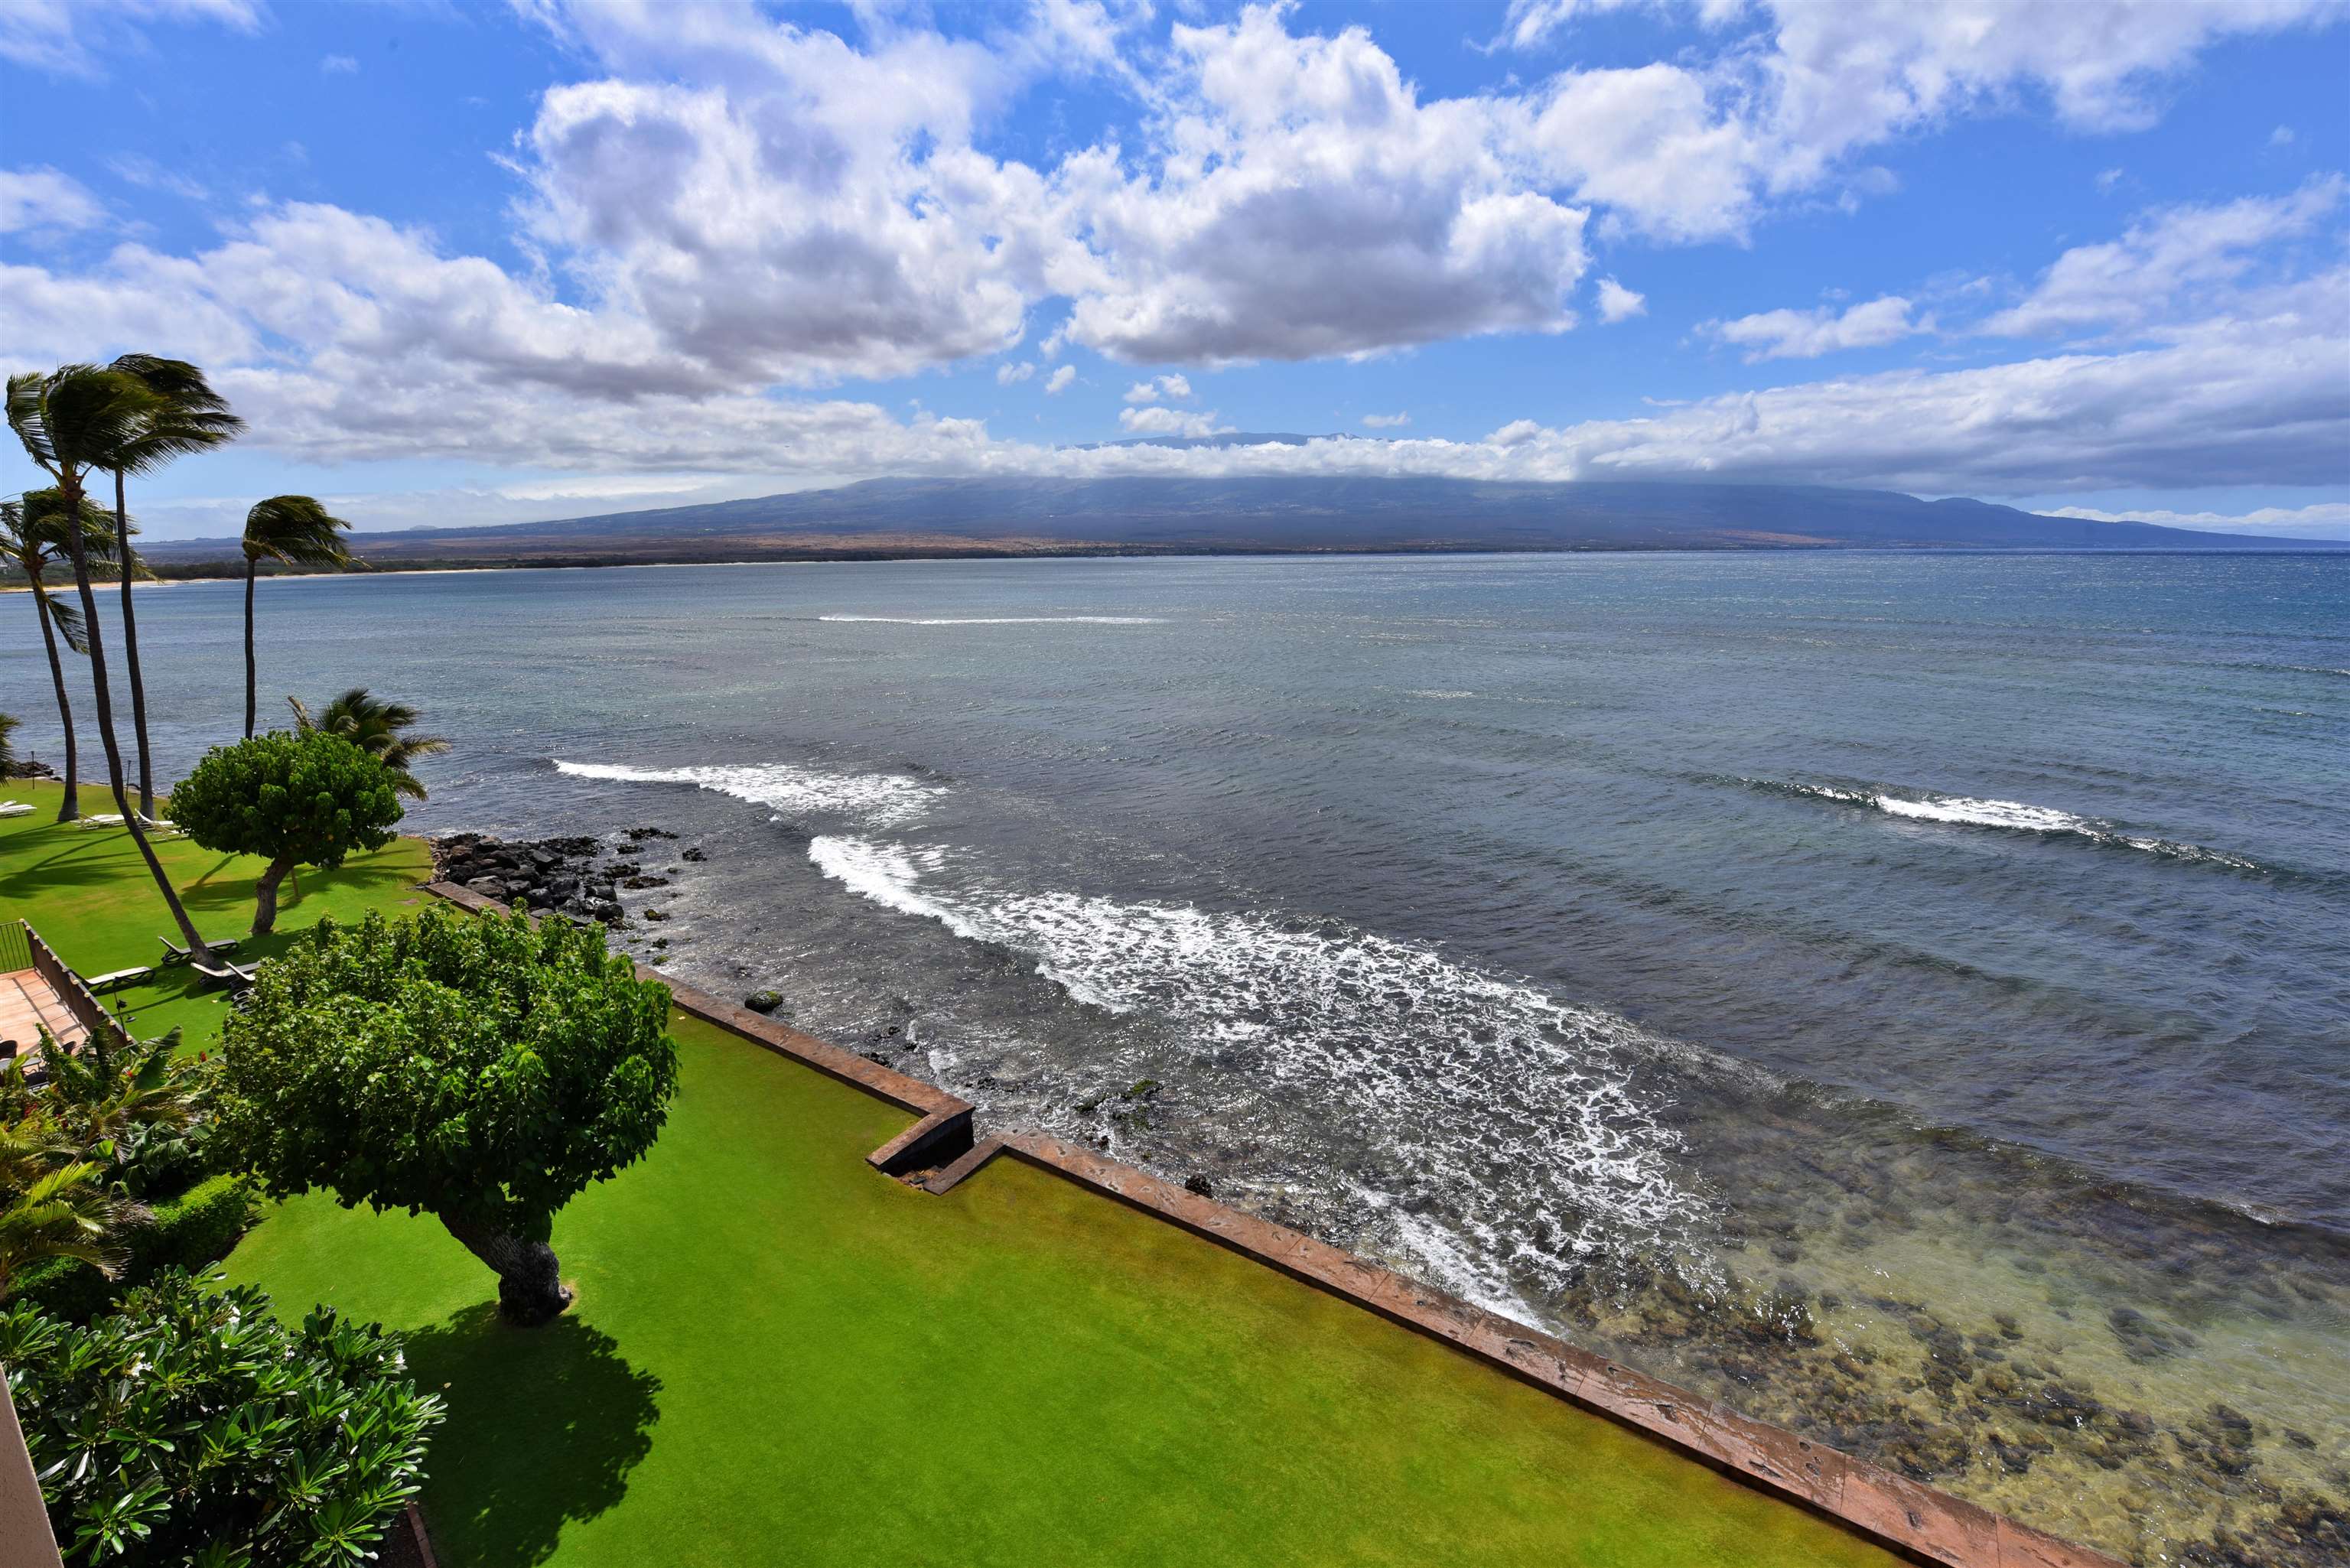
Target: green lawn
781	1357
87	892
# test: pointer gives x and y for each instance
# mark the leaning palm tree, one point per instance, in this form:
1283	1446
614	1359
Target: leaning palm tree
32	540
9	724
72	422
191	418
297	531
374	726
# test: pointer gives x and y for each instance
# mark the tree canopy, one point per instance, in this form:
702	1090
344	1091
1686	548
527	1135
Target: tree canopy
293	800
476	1069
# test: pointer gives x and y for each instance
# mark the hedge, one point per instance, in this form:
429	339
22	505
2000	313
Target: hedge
190	1232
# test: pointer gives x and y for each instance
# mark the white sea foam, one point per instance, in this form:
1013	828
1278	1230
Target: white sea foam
1977	813
882	800
1971	811
1002	620
1480	1094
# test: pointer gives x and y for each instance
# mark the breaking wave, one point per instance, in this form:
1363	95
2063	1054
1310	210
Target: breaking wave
1476	1095
2020	816
1002	620
883	800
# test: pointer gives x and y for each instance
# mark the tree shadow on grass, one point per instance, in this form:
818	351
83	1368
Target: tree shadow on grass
545	1425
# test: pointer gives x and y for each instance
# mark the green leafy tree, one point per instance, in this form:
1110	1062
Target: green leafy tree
378	728
293	800
474	1069
31	541
193	1428
188	417
72	420
297	531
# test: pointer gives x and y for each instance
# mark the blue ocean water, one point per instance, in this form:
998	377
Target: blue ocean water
1953	935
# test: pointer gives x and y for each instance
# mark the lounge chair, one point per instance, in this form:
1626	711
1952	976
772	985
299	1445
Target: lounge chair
103	819
15	808
173	953
223	972
113	978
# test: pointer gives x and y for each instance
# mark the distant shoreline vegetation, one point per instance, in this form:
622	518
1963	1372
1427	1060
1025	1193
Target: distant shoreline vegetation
224	569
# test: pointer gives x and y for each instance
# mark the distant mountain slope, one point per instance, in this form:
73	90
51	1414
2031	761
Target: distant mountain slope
954	516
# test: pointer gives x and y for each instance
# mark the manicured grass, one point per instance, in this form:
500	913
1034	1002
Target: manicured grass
779	1356
87	893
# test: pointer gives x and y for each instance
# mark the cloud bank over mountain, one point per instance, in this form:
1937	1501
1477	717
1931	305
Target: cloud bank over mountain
721	217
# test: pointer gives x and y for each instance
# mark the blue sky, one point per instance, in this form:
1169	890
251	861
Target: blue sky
463	264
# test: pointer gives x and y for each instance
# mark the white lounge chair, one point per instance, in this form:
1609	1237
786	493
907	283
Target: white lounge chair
15	808
103	819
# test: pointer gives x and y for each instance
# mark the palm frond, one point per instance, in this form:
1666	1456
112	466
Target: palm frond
297	530
374	726
190	417
89	415
65	616
26	418
45	521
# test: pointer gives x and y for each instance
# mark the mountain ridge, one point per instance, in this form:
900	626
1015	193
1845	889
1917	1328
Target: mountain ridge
1259	514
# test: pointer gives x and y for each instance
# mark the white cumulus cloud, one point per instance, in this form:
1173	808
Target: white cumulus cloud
1617	303
1808	334
1163	421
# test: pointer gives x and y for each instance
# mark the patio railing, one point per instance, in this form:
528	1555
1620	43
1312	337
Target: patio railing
79	999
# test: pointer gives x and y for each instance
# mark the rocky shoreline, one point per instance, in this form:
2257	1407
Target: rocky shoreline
579	878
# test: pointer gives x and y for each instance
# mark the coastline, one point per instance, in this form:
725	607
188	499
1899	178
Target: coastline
940	1151
2019	1417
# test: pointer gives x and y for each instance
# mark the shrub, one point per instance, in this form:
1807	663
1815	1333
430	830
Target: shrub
197	1228
194	1428
293	800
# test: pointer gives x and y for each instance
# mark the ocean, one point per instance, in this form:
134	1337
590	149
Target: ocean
1906	996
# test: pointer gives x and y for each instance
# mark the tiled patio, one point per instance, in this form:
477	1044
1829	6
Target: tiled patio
28	1002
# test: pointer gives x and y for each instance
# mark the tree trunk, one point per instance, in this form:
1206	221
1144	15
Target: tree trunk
69	487
129	563
530	1287
71	808
265	897
251	567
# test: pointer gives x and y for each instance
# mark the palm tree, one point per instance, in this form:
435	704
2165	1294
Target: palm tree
53	1205
72	420
8	726
191	418
294	529
373	725
31	538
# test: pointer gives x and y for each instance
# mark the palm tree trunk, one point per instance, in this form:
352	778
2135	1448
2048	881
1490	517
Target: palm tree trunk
130	649
71	808
251	566
69	487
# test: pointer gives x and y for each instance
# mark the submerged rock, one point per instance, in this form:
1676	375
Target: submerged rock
763	1002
